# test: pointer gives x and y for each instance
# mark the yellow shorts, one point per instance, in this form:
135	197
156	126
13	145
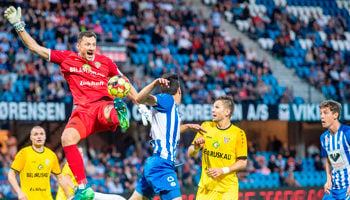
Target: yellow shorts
204	194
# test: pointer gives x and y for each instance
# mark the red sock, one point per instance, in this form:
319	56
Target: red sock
76	163
114	116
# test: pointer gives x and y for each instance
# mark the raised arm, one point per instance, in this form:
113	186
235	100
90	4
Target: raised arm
144	96
14	18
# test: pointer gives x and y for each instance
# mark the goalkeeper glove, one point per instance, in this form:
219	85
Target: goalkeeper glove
14	17
146	114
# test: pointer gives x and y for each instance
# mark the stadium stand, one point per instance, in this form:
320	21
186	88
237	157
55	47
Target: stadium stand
177	40
172	38
309	36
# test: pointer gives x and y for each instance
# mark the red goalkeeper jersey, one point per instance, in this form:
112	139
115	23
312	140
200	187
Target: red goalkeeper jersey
86	79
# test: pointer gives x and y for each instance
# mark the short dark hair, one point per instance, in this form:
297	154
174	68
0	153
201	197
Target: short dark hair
86	34
334	106
227	100
174	84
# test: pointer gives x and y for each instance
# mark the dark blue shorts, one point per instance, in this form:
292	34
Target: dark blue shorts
159	177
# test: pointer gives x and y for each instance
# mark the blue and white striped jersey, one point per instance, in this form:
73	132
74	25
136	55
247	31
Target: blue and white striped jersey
165	130
337	148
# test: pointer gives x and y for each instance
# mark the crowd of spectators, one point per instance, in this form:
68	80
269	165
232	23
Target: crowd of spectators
310	36
177	39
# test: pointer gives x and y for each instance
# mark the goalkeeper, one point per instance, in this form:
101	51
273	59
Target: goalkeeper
87	74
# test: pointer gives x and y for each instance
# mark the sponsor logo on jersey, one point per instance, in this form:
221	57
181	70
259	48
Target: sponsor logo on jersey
334	156
86	67
217	154
85	70
40	167
91	83
216	145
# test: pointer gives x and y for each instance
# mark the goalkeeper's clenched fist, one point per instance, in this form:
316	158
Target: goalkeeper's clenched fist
14	17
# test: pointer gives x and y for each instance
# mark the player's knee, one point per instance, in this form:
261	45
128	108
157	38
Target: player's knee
70	136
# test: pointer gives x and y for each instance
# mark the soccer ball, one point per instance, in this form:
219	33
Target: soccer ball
119	86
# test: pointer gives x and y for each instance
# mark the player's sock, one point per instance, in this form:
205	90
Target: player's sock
114	116
76	163
81	186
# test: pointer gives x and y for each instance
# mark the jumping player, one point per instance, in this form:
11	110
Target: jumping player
87	74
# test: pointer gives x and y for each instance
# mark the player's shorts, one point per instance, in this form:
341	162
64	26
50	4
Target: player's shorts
336	195
159	177
89	119
204	194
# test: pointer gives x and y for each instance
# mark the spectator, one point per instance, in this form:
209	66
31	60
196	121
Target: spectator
291	181
318	163
272	164
313	150
280	162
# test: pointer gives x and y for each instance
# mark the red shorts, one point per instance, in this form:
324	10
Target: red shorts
89	119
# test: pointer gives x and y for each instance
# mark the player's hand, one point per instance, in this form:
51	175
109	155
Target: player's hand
146	114
327	187
21	195
199	143
214	172
348	191
196	128
162	82
13	15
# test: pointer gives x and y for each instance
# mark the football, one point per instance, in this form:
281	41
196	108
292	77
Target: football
119	86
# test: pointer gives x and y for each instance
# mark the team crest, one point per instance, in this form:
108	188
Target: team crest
47	161
216	145
98	64
40	167
226	140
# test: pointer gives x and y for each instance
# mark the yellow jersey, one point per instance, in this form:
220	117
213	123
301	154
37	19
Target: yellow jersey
221	149
60	193
35	169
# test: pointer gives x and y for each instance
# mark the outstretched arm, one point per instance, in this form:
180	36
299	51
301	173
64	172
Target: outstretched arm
14	18
33	46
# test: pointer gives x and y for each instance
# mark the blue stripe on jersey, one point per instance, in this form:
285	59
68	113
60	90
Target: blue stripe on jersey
329	143
158	147
168	126
175	131
346	175
333	142
346	146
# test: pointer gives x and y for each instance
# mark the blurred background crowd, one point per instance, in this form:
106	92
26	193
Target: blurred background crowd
169	36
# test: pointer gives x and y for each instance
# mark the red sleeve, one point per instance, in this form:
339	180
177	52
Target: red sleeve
58	57
113	68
